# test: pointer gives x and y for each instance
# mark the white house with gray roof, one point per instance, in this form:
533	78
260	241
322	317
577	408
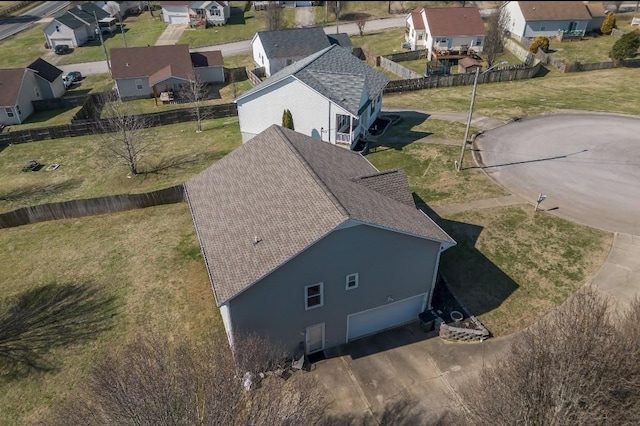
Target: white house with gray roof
78	25
332	95
274	50
309	242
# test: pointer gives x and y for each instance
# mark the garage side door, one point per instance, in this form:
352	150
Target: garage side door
383	317
178	19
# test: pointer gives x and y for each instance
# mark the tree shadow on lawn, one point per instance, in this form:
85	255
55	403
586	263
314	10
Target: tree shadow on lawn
236	17
51	316
476	281
35	192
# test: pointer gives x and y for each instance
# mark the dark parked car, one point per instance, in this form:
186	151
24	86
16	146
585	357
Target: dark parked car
62	49
74	76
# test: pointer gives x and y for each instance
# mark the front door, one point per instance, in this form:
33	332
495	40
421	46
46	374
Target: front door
315	338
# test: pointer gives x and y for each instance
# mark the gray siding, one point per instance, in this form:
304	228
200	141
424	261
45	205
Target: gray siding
127	88
550	28
26	95
210	74
388	263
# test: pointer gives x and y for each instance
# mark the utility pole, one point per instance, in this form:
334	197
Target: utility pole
104	48
337	17
124	38
466	132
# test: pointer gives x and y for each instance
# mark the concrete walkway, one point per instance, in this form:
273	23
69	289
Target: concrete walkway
305	17
171	35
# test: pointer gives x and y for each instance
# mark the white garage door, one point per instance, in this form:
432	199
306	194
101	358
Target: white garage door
59	42
387	316
178	19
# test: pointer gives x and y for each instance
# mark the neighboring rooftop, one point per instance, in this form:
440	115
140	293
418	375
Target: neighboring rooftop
282	191
454	21
132	62
553	10
10	84
293	42
207	59
45	70
334	73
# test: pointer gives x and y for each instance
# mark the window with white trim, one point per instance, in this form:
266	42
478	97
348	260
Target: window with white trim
139	84
215	11
9	112
313	296
478	42
352	281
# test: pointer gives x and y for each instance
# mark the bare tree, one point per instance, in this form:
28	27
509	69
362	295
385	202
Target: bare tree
154	380
497	25
196	92
335	7
361	21
124	134
578	366
274	16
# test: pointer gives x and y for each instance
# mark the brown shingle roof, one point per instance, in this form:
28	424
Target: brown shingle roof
596	10
553	10
416	18
207	59
455	21
10	84
288	190
132	62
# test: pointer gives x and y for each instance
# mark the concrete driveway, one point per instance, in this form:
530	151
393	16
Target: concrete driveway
402	376
171	34
588	165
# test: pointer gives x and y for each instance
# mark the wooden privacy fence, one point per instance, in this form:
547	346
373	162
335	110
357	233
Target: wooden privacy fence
58	103
255	75
511	74
398	69
86	127
90	207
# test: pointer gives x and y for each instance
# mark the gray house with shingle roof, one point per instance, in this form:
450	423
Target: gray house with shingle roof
308	242
332	95
274	50
78	25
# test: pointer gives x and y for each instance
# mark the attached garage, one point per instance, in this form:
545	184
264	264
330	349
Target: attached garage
61	41
178	19
388	316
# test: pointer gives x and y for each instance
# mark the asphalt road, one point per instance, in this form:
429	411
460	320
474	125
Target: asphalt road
9	27
244	46
588	165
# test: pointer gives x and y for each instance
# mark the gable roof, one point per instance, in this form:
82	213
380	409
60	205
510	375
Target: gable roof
132	62
416	18
70	21
454	21
207	59
293	42
341	39
45	70
596	10
334	73
553	10
288	190
10	84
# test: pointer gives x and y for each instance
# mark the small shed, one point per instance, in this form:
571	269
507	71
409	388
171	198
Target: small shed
468	65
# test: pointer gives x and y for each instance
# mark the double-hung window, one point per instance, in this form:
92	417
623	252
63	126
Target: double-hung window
352	281
313	295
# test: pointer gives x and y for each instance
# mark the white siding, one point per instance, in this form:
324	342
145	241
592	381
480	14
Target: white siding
313	114
127	88
175	11
517	23
63	34
226	320
259	55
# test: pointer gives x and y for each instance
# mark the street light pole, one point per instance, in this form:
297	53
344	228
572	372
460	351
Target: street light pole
473	100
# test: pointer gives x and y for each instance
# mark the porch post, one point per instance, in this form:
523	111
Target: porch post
350	128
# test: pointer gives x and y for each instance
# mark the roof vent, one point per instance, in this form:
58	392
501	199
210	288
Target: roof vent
256	240
127	64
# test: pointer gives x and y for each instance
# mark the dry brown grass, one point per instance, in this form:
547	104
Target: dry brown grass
512	266
148	259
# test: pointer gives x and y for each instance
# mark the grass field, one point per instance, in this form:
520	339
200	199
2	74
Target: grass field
85	171
240	26
512	266
147	260
141	30
23	48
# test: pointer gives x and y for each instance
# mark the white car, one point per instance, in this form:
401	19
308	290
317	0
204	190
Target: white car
72	77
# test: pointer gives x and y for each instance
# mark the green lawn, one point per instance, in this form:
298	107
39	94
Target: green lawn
512	266
147	260
23	48
142	30
350	10
85	171
51	117
94	83
614	90
241	26
592	49
431	172
380	42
